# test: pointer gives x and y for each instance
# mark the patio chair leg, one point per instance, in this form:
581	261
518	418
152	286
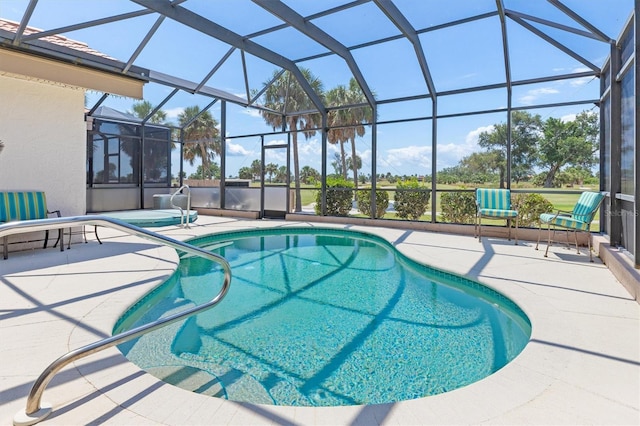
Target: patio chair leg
509	226
480	229
548	241
95	230
516	231
575	235
475	227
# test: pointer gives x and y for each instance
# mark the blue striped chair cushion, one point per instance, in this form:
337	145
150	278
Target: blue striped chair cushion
494	199
495	203
498	213
586	207
564	221
22	206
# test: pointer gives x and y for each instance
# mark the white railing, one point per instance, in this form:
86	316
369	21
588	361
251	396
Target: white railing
183	223
35	410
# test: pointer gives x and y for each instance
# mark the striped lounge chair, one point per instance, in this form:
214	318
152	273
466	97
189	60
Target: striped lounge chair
577	220
494	204
25	205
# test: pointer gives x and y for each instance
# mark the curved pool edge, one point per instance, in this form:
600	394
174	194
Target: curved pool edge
505	308
518	389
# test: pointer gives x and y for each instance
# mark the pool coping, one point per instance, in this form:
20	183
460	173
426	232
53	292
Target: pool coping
551	381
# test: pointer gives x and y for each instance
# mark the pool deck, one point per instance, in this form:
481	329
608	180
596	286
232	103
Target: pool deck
582	365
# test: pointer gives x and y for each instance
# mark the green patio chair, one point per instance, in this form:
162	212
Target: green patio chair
494	204
577	220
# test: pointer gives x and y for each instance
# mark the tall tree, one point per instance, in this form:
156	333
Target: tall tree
572	143
481	165
354	166
144	108
281	174
201	137
245	173
309	175
271	169
286	96
358	117
338	165
256	169
214	172
525	133
348	123
338	119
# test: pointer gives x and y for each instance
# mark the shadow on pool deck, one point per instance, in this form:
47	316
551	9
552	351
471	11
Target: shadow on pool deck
582	365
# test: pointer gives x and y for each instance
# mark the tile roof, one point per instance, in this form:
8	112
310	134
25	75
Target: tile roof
56	39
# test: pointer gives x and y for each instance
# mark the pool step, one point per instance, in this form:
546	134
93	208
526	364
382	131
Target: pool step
190	378
237	385
259	386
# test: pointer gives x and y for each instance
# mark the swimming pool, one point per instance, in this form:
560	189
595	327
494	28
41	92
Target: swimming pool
323	317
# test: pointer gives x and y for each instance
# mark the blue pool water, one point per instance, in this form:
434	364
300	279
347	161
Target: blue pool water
323	318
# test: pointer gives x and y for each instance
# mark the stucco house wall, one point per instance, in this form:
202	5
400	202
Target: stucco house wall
44	134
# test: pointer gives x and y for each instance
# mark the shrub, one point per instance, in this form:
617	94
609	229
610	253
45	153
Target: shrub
363	198
458	207
339	199
530	207
409	203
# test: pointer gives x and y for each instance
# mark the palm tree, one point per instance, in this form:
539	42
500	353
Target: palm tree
144	108
281	174
201	137
256	169
309	175
358	116
286	96
350	121
338	96
271	169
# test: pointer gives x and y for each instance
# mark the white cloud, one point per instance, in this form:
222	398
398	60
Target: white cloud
407	158
450	154
567	118
533	95
252	112
416	159
237	150
309	149
272	156
365	156
173	113
579	82
581	69
472	136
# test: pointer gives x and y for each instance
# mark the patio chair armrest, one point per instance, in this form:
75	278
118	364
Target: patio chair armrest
54	211
565	213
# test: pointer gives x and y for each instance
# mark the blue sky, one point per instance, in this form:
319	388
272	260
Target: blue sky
458	57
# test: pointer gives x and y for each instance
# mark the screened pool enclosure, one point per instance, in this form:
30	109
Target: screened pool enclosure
277	107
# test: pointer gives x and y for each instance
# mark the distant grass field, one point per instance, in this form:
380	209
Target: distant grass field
561	198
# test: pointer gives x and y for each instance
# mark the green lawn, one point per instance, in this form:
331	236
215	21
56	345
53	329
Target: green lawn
560	201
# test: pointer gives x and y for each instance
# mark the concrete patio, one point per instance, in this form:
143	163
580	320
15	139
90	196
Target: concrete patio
582	365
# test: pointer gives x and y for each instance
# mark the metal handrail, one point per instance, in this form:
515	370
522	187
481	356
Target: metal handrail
178	207
36	411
